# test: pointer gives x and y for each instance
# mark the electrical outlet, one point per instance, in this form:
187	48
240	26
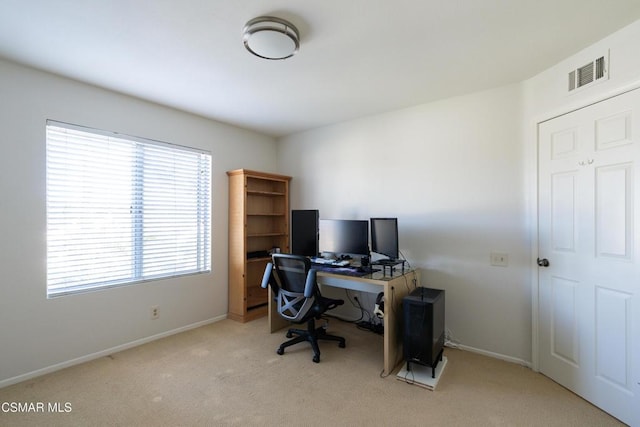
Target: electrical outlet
499	259
155	312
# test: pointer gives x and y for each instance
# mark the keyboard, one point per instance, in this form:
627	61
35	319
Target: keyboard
330	262
322	260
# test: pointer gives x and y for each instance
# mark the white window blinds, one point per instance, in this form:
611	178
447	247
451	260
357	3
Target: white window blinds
122	209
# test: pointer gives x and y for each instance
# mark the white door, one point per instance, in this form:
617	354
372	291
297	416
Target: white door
589	225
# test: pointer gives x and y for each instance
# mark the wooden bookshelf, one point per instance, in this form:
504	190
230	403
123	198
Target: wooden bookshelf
258	222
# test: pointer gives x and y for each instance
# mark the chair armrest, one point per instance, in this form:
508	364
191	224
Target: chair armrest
266	278
310	284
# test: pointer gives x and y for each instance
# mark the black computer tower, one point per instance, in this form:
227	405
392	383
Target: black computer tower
304	232
423	327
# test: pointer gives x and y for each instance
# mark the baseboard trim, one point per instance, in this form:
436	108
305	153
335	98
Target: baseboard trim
102	353
506	358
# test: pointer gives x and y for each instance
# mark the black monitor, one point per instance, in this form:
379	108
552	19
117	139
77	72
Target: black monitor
304	232
384	237
343	236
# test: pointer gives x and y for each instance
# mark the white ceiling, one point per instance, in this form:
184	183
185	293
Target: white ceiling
357	57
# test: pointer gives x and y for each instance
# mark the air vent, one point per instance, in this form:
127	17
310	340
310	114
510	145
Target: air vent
585	74
588	74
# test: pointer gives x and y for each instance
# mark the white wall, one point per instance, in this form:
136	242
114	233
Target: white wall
452	172
38	334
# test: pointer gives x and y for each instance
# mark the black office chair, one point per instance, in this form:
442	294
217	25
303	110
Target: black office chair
293	283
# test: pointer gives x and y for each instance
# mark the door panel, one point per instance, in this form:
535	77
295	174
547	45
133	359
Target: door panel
613	323
614	211
564	321
613	131
589	308
563	216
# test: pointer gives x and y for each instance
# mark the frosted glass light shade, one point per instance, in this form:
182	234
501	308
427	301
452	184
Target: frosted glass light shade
271	38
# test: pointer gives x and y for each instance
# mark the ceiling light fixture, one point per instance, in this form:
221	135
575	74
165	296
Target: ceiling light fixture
271	38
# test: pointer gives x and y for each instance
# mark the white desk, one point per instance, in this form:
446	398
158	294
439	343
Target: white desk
395	286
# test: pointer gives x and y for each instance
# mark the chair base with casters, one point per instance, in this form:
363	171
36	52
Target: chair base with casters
298	300
312	335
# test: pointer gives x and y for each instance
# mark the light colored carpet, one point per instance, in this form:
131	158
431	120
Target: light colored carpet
228	374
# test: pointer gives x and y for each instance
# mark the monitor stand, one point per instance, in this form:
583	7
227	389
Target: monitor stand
391	263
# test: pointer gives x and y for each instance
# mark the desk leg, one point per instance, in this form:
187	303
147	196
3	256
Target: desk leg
394	291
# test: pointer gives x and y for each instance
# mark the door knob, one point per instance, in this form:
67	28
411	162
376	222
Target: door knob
543	262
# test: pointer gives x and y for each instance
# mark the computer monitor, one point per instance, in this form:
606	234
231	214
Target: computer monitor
304	232
384	237
343	236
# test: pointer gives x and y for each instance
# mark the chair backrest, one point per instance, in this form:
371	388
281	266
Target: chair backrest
297	288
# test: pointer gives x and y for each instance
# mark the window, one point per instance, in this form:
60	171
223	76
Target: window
122	209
